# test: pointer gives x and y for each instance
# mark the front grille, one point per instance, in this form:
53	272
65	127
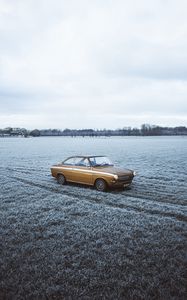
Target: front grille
124	177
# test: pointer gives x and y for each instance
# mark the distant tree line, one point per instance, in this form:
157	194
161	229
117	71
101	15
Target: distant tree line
9	131
145	130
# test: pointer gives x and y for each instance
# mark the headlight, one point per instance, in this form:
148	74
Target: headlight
134	173
116	177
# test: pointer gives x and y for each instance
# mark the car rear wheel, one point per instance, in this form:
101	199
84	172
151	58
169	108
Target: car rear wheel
101	185
61	179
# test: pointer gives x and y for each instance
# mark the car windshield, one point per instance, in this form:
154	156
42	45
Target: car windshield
100	161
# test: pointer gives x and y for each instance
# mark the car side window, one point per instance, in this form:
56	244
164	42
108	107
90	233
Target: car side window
83	162
77	161
69	162
93	161
86	162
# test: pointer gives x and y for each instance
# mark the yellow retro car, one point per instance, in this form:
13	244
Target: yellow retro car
96	171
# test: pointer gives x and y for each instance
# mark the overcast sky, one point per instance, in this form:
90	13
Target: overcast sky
93	63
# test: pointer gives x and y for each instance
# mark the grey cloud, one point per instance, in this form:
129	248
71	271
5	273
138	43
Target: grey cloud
115	59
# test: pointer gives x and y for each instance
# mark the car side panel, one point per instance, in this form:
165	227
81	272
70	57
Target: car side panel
65	170
100	175
81	174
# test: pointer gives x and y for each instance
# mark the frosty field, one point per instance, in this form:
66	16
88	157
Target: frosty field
72	242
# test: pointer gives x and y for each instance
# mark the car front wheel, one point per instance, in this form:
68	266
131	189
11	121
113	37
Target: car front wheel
61	179
101	185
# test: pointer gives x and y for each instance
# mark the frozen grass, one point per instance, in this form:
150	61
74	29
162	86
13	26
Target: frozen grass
73	242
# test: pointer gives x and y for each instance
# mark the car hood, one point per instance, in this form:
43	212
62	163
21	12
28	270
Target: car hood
113	170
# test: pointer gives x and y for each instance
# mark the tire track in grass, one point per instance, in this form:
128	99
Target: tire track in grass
151	191
141	191
22	170
180	216
146	196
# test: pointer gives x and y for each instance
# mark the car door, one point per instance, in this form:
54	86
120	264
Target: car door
67	168
82	172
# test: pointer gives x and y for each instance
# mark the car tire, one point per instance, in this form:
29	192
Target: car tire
61	179
101	185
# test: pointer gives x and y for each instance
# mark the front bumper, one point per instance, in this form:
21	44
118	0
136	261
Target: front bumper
118	183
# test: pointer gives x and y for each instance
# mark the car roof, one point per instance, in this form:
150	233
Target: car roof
84	156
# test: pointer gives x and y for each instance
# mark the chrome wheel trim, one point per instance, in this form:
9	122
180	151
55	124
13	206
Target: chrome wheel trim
100	185
61	179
